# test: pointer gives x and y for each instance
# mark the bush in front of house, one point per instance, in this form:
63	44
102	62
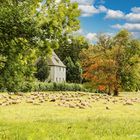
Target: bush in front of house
44	86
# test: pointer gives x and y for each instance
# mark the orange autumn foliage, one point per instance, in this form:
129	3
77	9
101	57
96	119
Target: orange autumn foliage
101	88
99	70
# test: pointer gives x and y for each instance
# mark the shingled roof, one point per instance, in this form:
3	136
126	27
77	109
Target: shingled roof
54	60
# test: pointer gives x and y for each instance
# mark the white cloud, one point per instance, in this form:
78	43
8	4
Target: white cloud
135	9
133	17
136	34
117	26
83	2
79	32
88	35
112	14
91	37
128	26
102	8
109	33
88	10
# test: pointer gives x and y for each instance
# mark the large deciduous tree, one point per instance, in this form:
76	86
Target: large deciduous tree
29	29
69	52
113	63
17	32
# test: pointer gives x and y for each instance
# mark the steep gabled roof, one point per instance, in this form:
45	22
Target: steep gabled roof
54	60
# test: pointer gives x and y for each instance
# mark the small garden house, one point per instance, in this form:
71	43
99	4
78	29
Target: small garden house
57	69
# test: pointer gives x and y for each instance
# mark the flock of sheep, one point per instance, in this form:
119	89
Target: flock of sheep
79	100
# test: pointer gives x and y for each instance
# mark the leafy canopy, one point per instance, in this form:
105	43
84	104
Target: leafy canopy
113	63
27	33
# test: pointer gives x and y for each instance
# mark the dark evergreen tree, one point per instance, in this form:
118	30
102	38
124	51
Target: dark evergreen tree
43	71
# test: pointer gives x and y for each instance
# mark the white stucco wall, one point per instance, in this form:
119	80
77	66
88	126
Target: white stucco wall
57	74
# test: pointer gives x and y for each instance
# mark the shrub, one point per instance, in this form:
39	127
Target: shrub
89	87
26	87
44	86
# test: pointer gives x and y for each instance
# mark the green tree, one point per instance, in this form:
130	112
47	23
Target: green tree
2	61
26	34
113	63
74	71
127	56
17	31
43	71
71	47
57	21
65	19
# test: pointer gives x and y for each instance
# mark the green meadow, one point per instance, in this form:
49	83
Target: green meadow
103	120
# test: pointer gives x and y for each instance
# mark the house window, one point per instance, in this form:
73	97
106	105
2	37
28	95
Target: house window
60	79
59	68
56	79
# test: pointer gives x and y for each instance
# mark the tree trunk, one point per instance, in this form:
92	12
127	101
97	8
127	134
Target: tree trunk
109	90
116	84
116	91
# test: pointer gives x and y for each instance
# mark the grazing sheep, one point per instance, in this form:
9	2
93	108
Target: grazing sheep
81	107
128	103
83	103
45	99
41	101
35	103
52	100
14	101
5	104
29	101
10	102
72	106
114	101
105	103
107	108
20	94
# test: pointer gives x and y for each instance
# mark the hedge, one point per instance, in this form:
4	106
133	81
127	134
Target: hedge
44	86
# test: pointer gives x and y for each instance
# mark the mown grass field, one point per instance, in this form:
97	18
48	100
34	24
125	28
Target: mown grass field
49	121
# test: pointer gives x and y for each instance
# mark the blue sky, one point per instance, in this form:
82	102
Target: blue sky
109	16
